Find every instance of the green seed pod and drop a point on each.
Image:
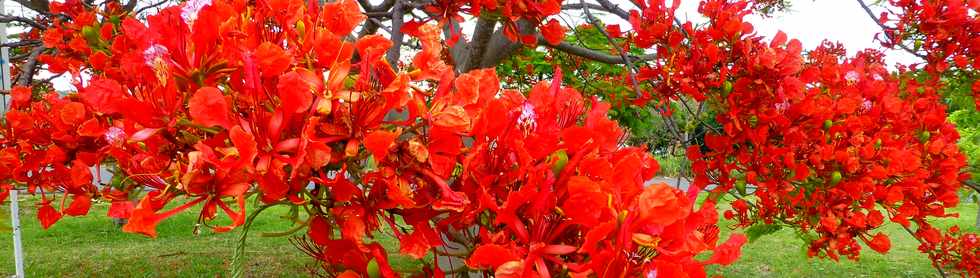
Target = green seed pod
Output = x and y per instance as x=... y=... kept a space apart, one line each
x=727 y=87
x=835 y=178
x=91 y=35
x=827 y=124
x=924 y=136
x=559 y=160
x=301 y=28
x=740 y=186
x=373 y=270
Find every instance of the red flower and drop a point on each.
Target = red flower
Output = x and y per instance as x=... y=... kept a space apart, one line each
x=144 y=218
x=880 y=243
x=553 y=32
x=661 y=204
x=490 y=256
x=378 y=142
x=80 y=205
x=728 y=252
x=272 y=59
x=208 y=107
x=319 y=231
x=47 y=215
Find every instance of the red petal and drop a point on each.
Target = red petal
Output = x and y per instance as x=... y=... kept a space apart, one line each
x=208 y=107
x=319 y=230
x=245 y=143
x=272 y=59
x=144 y=218
x=342 y=16
x=880 y=243
x=378 y=143
x=79 y=205
x=729 y=251
x=103 y=95
x=490 y=256
x=81 y=175
x=553 y=32
x=120 y=209
x=72 y=113
x=558 y=249
x=296 y=90
x=47 y=214
x=662 y=205
x=21 y=96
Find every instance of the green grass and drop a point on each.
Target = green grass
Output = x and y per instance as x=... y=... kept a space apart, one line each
x=93 y=246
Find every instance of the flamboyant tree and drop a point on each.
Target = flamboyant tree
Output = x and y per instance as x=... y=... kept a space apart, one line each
x=205 y=104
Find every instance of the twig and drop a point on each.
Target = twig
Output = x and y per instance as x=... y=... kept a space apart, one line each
x=154 y=5
x=579 y=6
x=21 y=43
x=886 y=28
x=379 y=24
x=697 y=115
x=614 y=9
x=10 y=18
x=622 y=54
x=593 y=54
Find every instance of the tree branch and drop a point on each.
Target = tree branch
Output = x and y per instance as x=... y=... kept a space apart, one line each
x=10 y=18
x=154 y=5
x=579 y=6
x=40 y=6
x=478 y=44
x=21 y=43
x=609 y=6
x=885 y=30
x=501 y=46
x=397 y=38
x=604 y=5
x=622 y=53
x=972 y=185
x=593 y=54
x=130 y=5
x=29 y=66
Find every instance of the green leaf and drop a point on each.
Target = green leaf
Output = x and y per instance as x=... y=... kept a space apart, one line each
x=759 y=230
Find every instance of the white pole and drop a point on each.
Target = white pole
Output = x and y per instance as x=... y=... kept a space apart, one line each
x=15 y=220
x=14 y=199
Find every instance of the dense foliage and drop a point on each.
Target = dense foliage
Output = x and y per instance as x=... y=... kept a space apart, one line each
x=206 y=104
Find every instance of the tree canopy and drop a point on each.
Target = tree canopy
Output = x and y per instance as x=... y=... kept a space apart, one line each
x=494 y=135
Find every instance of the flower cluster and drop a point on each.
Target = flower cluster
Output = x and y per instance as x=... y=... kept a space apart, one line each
x=944 y=33
x=825 y=144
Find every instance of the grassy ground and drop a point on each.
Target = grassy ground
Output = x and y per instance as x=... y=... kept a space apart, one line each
x=93 y=246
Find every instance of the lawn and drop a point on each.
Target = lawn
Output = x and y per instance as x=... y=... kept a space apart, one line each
x=94 y=246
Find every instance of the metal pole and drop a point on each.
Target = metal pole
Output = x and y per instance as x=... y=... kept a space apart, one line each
x=15 y=220
x=14 y=199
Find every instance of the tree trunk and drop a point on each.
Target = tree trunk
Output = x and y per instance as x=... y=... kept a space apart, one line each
x=977 y=224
